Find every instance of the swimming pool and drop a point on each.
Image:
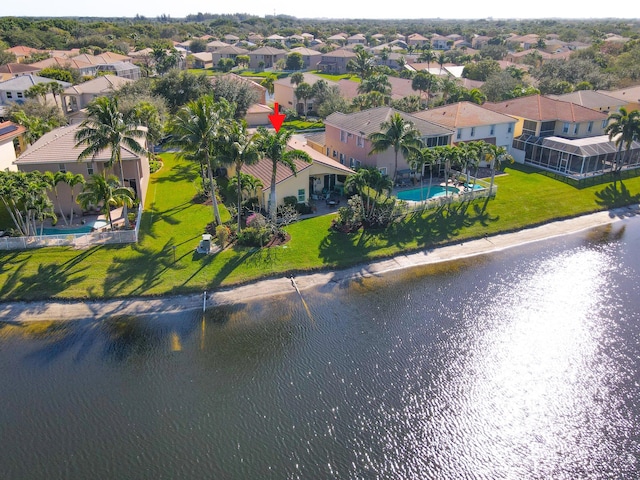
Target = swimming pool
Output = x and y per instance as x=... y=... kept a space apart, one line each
x=88 y=228
x=420 y=194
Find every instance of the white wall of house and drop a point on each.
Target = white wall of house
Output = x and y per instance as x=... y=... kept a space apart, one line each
x=7 y=156
x=502 y=132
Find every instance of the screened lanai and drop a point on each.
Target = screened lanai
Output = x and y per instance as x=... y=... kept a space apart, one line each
x=576 y=158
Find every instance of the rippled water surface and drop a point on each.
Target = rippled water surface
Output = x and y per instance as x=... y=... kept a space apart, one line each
x=521 y=364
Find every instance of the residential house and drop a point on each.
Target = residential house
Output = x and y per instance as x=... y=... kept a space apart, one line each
x=276 y=39
x=310 y=58
x=11 y=143
x=524 y=42
x=202 y=60
x=56 y=151
x=216 y=45
x=231 y=38
x=338 y=38
x=230 y=51
x=323 y=174
x=85 y=69
x=548 y=131
x=472 y=122
x=105 y=58
x=265 y=57
x=23 y=53
x=255 y=38
x=438 y=42
x=11 y=70
x=336 y=61
x=530 y=56
x=347 y=138
x=417 y=40
x=120 y=69
x=599 y=101
x=479 y=41
x=14 y=90
x=357 y=39
x=629 y=95
x=284 y=93
x=400 y=88
x=76 y=98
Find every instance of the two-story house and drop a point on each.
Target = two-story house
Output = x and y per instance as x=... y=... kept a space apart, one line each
x=310 y=58
x=11 y=143
x=346 y=138
x=76 y=98
x=14 y=90
x=265 y=57
x=336 y=62
x=230 y=51
x=472 y=122
x=560 y=136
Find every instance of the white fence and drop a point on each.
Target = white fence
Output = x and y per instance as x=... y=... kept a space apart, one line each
x=77 y=240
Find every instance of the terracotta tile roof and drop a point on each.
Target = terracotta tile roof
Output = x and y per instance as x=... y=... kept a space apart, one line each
x=232 y=49
x=268 y=51
x=541 y=108
x=61 y=62
x=59 y=146
x=340 y=53
x=368 y=121
x=463 y=114
x=18 y=68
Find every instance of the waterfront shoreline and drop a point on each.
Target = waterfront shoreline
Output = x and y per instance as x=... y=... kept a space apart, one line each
x=18 y=312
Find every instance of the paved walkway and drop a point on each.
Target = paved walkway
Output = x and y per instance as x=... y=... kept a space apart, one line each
x=58 y=310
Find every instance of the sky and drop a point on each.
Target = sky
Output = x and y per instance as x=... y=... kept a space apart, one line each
x=338 y=9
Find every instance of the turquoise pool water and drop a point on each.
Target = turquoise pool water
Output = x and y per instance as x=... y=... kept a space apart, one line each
x=88 y=228
x=424 y=193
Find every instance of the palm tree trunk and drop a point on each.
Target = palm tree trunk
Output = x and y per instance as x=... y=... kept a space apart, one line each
x=239 y=200
x=214 y=200
x=272 y=193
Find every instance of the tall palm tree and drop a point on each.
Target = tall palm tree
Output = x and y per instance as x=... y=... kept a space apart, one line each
x=399 y=134
x=239 y=149
x=56 y=89
x=363 y=65
x=106 y=128
x=375 y=83
x=368 y=179
x=106 y=191
x=194 y=130
x=496 y=155
x=273 y=145
x=624 y=126
x=424 y=157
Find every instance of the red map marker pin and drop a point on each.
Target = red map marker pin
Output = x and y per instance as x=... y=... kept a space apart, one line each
x=277 y=118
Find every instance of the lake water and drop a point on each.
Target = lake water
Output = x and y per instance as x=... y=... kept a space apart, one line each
x=522 y=364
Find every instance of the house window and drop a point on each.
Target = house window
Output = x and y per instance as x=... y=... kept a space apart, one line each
x=335 y=154
x=309 y=107
x=9 y=95
x=473 y=131
x=492 y=130
x=565 y=127
x=590 y=127
x=343 y=136
x=575 y=129
x=383 y=170
x=360 y=141
x=342 y=158
x=20 y=95
x=89 y=168
x=604 y=122
x=329 y=152
x=301 y=196
x=353 y=163
x=459 y=135
x=510 y=129
x=62 y=168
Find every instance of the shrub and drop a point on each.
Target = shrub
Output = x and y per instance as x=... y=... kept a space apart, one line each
x=155 y=165
x=222 y=235
x=291 y=200
x=253 y=237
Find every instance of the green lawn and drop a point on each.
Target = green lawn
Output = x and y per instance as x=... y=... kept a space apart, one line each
x=335 y=77
x=173 y=219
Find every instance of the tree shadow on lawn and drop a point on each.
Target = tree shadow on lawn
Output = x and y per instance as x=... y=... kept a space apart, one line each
x=180 y=172
x=227 y=267
x=611 y=197
x=151 y=219
x=134 y=276
x=418 y=231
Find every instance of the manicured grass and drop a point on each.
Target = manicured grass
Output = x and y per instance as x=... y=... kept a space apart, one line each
x=262 y=74
x=298 y=125
x=173 y=219
x=335 y=77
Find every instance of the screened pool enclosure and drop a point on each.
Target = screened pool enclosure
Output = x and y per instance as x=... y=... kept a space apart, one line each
x=576 y=158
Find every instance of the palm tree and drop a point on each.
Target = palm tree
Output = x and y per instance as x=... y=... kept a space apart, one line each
x=107 y=129
x=442 y=59
x=363 y=65
x=399 y=134
x=268 y=83
x=364 y=181
x=106 y=191
x=194 y=130
x=273 y=145
x=428 y=56
x=625 y=127
x=421 y=158
x=304 y=92
x=56 y=89
x=496 y=155
x=239 y=149
x=451 y=156
x=37 y=90
x=375 y=83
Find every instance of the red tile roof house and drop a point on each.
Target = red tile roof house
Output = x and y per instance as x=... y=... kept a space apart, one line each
x=56 y=151
x=561 y=136
x=324 y=173
x=472 y=122
x=346 y=138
